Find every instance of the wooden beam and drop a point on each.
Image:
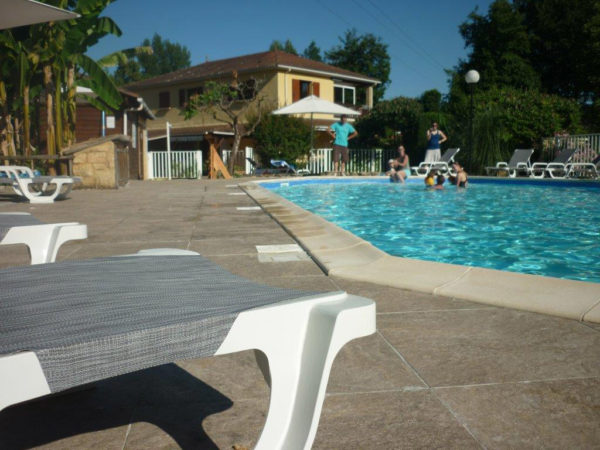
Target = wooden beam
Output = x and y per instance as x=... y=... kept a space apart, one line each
x=216 y=163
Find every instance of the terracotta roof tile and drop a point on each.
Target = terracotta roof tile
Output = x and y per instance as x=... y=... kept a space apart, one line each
x=246 y=63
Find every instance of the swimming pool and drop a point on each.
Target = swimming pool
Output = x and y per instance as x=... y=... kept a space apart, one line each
x=540 y=228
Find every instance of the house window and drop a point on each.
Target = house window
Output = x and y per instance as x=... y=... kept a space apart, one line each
x=164 y=99
x=338 y=94
x=304 y=89
x=194 y=91
x=248 y=89
x=182 y=98
x=344 y=94
x=301 y=89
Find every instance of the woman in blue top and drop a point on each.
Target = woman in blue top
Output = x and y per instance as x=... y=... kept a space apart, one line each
x=434 y=138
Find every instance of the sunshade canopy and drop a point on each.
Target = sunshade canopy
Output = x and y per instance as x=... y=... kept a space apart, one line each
x=16 y=13
x=315 y=105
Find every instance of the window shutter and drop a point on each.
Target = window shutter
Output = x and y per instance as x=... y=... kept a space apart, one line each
x=295 y=90
x=316 y=89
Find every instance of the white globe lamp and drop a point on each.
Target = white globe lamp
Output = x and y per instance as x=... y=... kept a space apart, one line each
x=472 y=77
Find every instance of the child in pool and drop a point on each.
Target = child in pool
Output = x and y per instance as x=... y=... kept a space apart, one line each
x=429 y=180
x=439 y=182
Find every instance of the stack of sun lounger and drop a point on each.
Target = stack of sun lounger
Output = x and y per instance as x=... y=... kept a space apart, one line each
x=585 y=169
x=35 y=188
x=557 y=168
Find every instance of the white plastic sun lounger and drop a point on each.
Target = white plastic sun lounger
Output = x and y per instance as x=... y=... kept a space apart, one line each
x=112 y=316
x=37 y=189
x=443 y=164
x=578 y=170
x=519 y=163
x=42 y=239
x=558 y=168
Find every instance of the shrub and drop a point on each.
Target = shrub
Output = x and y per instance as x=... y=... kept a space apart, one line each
x=282 y=137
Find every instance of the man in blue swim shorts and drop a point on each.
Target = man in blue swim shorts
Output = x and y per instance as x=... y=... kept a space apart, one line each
x=341 y=132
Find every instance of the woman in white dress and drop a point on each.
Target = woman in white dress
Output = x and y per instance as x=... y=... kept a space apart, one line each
x=434 y=138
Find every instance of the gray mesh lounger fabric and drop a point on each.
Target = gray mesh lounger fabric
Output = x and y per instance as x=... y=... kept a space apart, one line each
x=8 y=221
x=94 y=319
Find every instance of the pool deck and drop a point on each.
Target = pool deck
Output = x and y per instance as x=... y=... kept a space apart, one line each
x=441 y=372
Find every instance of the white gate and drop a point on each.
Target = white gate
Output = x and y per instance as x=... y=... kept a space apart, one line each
x=184 y=164
x=320 y=161
x=248 y=153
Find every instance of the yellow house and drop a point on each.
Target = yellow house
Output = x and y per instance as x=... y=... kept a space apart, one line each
x=284 y=77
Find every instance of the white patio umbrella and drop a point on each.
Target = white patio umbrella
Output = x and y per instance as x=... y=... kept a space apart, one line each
x=16 y=13
x=315 y=105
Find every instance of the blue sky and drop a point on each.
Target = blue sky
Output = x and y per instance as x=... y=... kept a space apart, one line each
x=423 y=37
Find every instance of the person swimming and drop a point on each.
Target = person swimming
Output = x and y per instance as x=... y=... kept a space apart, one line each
x=461 y=179
x=439 y=182
x=429 y=179
x=399 y=167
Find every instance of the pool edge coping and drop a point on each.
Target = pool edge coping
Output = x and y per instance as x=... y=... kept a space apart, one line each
x=342 y=254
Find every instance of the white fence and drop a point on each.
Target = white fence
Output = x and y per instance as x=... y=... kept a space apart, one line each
x=248 y=152
x=587 y=146
x=184 y=164
x=320 y=161
x=371 y=160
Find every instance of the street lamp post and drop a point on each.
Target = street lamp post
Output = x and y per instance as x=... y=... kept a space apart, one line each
x=472 y=77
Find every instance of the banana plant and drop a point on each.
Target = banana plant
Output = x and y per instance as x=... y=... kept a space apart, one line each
x=122 y=57
x=50 y=58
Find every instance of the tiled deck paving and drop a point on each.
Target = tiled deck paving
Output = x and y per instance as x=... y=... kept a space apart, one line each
x=440 y=373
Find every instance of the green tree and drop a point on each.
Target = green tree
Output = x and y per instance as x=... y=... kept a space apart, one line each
x=230 y=103
x=165 y=57
x=366 y=54
x=282 y=137
x=507 y=118
x=499 y=45
x=287 y=46
x=312 y=52
x=431 y=100
x=383 y=125
x=565 y=45
x=128 y=72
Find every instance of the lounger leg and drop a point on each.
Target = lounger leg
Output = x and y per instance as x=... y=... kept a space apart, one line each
x=64 y=192
x=21 y=379
x=43 y=241
x=65 y=233
x=300 y=347
x=35 y=197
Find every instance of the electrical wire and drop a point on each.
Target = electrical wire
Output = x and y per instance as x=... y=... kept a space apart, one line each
x=401 y=59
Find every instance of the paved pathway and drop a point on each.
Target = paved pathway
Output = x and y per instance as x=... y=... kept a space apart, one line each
x=440 y=373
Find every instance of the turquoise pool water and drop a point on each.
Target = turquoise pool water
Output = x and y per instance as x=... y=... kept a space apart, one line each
x=535 y=228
